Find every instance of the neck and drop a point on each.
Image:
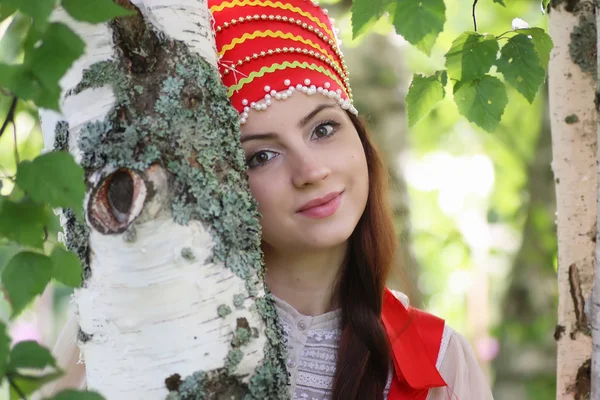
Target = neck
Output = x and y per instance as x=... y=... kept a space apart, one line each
x=305 y=280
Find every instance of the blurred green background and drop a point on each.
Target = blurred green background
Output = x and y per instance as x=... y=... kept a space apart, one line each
x=475 y=211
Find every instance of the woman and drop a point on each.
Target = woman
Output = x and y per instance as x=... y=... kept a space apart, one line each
x=328 y=236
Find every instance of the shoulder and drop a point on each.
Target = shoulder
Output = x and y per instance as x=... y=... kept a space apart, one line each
x=461 y=371
x=446 y=355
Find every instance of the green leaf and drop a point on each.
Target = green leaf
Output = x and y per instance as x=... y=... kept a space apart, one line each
x=501 y=2
x=52 y=59
x=7 y=251
x=471 y=56
x=29 y=354
x=25 y=277
x=10 y=77
x=21 y=81
x=67 y=267
x=424 y=93
x=520 y=65
x=95 y=11
x=11 y=44
x=420 y=22
x=53 y=178
x=363 y=11
x=29 y=384
x=481 y=101
x=39 y=10
x=22 y=222
x=542 y=42
x=6 y=10
x=4 y=348
x=75 y=395
x=51 y=221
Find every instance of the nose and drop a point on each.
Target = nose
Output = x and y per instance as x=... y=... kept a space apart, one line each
x=308 y=169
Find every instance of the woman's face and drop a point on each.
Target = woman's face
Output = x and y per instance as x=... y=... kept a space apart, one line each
x=307 y=170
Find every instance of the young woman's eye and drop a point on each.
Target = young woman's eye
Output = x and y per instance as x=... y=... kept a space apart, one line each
x=325 y=129
x=260 y=158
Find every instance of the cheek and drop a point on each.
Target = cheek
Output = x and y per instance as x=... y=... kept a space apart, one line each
x=257 y=188
x=361 y=173
x=266 y=192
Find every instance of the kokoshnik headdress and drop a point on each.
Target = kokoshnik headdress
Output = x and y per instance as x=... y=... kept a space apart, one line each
x=269 y=49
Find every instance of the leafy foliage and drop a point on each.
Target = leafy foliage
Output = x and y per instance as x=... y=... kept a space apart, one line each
x=22 y=222
x=520 y=65
x=26 y=277
x=39 y=10
x=420 y=22
x=4 y=348
x=54 y=178
x=28 y=384
x=424 y=93
x=469 y=61
x=30 y=354
x=541 y=41
x=66 y=267
x=75 y=395
x=481 y=100
x=364 y=12
x=94 y=11
x=471 y=56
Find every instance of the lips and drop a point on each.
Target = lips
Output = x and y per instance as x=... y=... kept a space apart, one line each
x=319 y=201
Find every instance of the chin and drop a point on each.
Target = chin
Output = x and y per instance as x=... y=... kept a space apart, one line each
x=327 y=235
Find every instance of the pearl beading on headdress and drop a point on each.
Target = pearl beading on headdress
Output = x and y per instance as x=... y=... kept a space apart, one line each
x=306 y=88
x=262 y=41
x=298 y=50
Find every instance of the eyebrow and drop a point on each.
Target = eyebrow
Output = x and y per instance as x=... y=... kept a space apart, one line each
x=313 y=113
x=303 y=122
x=258 y=136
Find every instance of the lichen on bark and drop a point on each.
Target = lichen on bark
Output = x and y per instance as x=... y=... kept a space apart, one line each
x=569 y=5
x=582 y=48
x=175 y=112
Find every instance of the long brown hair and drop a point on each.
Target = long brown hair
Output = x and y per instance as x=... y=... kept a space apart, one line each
x=363 y=359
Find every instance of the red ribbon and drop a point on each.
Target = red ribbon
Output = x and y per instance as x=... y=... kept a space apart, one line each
x=415 y=338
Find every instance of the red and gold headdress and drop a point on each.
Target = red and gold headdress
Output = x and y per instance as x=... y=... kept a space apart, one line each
x=269 y=49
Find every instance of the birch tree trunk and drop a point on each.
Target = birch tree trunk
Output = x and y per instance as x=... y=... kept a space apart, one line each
x=574 y=142
x=173 y=282
x=595 y=304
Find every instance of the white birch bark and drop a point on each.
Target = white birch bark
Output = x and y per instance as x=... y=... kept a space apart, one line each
x=595 y=303
x=574 y=145
x=156 y=303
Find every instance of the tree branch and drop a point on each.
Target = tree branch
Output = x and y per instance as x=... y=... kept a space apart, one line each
x=16 y=147
x=19 y=392
x=474 y=18
x=10 y=116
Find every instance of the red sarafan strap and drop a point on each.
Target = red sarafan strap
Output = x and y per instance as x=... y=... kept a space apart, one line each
x=415 y=339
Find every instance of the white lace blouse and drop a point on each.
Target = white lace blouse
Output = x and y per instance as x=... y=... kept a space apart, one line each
x=312 y=349
x=311 y=358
